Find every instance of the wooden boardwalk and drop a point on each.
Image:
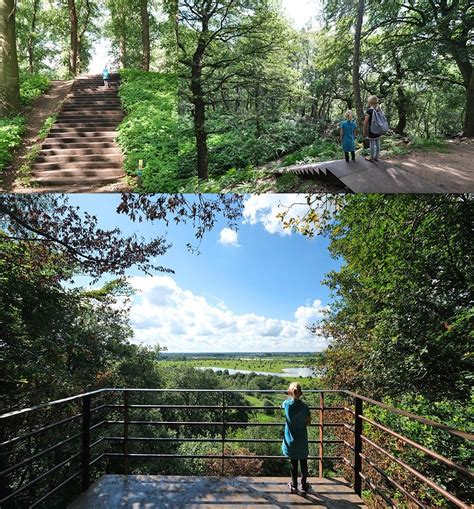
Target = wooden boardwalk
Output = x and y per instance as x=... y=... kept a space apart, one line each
x=151 y=492
x=361 y=176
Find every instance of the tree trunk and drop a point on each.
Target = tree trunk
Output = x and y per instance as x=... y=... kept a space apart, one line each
x=9 y=77
x=401 y=102
x=80 y=38
x=145 y=35
x=356 y=63
x=200 y=127
x=469 y=118
x=73 y=38
x=31 y=38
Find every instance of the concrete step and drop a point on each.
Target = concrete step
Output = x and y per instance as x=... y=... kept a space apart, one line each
x=82 y=158
x=97 y=125
x=93 y=144
x=69 y=178
x=88 y=121
x=85 y=129
x=67 y=152
x=105 y=135
x=65 y=173
x=90 y=165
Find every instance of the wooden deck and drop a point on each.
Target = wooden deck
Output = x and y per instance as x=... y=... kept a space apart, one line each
x=361 y=176
x=151 y=492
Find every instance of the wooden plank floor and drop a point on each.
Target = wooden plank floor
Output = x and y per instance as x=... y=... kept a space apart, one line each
x=362 y=176
x=150 y=492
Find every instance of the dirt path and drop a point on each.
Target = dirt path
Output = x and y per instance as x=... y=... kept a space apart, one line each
x=453 y=171
x=46 y=105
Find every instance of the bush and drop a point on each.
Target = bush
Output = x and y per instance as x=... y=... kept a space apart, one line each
x=11 y=130
x=149 y=131
x=32 y=86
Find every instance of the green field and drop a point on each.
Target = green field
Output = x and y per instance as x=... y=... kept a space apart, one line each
x=270 y=365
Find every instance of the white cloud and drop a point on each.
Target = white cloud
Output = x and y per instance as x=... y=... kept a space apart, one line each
x=164 y=313
x=229 y=237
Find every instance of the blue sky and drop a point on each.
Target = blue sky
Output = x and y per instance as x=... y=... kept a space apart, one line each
x=258 y=287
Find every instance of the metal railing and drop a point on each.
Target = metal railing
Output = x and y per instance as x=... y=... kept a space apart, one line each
x=80 y=455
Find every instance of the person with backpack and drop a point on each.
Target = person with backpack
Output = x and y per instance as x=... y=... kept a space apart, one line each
x=375 y=125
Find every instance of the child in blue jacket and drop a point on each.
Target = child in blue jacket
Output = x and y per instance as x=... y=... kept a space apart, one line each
x=348 y=133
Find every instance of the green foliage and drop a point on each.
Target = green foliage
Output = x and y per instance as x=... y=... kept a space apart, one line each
x=32 y=86
x=402 y=323
x=320 y=150
x=46 y=127
x=149 y=131
x=11 y=130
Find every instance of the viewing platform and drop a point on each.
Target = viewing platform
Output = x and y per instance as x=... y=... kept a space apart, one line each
x=148 y=491
x=152 y=448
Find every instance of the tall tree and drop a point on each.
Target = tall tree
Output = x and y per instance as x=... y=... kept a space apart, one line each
x=73 y=30
x=356 y=64
x=145 y=16
x=9 y=75
x=220 y=42
x=32 y=36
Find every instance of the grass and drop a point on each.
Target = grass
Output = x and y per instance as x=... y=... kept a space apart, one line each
x=264 y=365
x=149 y=131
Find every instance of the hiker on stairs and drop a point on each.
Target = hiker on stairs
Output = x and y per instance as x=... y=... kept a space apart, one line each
x=105 y=76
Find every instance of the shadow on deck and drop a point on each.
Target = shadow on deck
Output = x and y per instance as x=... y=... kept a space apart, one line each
x=150 y=492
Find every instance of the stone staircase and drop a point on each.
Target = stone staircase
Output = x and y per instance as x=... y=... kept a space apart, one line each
x=80 y=153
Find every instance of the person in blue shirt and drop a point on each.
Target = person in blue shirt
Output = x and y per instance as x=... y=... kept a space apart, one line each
x=348 y=133
x=105 y=76
x=295 y=441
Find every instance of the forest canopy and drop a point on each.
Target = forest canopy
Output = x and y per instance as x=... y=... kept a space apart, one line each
x=254 y=88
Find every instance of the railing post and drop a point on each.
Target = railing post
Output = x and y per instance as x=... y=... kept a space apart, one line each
x=321 y=435
x=125 y=432
x=223 y=435
x=86 y=443
x=358 y=446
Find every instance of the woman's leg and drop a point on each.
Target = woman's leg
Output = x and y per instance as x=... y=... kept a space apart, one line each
x=353 y=155
x=346 y=155
x=294 y=472
x=372 y=148
x=304 y=472
x=377 y=147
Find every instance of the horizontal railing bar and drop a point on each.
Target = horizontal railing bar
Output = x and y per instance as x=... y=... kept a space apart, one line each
x=347 y=462
x=100 y=407
x=211 y=456
x=423 y=420
x=97 y=442
x=98 y=425
x=95 y=460
x=39 y=455
x=40 y=430
x=215 y=407
x=417 y=474
x=210 y=440
x=377 y=490
x=391 y=481
x=347 y=444
x=16 y=413
x=56 y=488
x=40 y=477
x=217 y=423
x=421 y=448
x=104 y=390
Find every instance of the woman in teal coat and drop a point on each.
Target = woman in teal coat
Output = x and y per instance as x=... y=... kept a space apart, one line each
x=295 y=442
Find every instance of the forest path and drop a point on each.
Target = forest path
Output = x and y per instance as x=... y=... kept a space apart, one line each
x=35 y=115
x=419 y=172
x=80 y=153
x=362 y=176
x=451 y=171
